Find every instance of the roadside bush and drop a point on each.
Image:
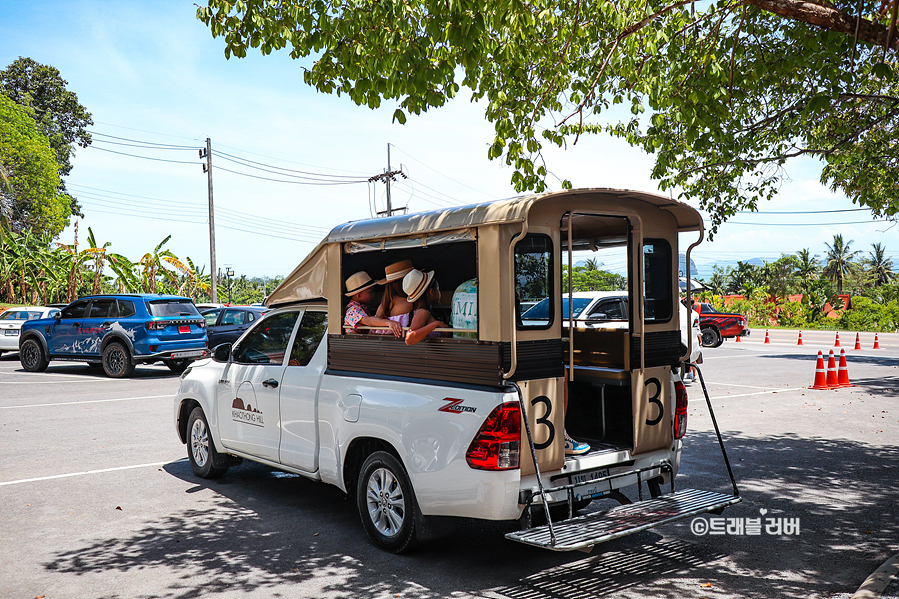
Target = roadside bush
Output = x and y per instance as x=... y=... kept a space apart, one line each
x=866 y=315
x=793 y=315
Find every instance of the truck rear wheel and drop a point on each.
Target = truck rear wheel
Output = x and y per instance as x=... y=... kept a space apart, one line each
x=387 y=503
x=117 y=361
x=200 y=448
x=711 y=337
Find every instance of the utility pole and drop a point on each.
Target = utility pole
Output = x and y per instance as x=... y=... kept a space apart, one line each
x=207 y=168
x=230 y=274
x=388 y=176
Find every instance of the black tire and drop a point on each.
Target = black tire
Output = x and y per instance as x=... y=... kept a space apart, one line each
x=711 y=337
x=200 y=448
x=178 y=366
x=117 y=361
x=31 y=356
x=387 y=503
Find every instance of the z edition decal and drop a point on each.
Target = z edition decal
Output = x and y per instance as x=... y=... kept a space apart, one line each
x=246 y=414
x=455 y=406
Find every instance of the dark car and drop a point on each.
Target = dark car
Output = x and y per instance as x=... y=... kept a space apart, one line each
x=225 y=325
x=117 y=332
x=717 y=326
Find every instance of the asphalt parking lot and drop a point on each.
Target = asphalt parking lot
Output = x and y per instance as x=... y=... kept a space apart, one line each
x=98 y=499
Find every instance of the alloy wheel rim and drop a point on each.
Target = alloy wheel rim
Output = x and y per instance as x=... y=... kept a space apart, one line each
x=199 y=443
x=385 y=502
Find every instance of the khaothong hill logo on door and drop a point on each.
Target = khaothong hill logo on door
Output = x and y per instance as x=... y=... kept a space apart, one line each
x=246 y=414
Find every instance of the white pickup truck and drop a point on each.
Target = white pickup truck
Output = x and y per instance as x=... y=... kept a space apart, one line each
x=470 y=424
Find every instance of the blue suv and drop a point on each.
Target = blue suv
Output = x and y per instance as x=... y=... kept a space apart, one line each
x=117 y=331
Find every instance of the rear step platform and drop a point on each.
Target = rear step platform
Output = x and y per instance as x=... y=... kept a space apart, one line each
x=585 y=531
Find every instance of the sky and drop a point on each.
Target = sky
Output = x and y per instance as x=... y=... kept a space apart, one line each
x=158 y=85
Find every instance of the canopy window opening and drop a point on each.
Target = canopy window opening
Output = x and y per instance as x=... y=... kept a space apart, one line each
x=454 y=264
x=534 y=291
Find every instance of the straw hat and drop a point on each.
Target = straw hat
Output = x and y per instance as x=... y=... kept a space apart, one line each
x=416 y=283
x=396 y=271
x=358 y=282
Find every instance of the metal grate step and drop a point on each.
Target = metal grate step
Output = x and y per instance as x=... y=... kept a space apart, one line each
x=586 y=531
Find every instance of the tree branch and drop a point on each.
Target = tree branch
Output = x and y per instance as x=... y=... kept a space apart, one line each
x=830 y=18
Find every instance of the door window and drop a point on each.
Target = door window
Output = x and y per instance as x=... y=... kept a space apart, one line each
x=75 y=310
x=103 y=308
x=211 y=317
x=608 y=310
x=309 y=335
x=232 y=317
x=267 y=343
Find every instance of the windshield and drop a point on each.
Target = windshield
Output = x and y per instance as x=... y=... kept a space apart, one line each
x=20 y=315
x=541 y=310
x=172 y=308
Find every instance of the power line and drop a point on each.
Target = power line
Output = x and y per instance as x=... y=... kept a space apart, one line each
x=144 y=157
x=151 y=143
x=439 y=173
x=103 y=194
x=221 y=168
x=241 y=160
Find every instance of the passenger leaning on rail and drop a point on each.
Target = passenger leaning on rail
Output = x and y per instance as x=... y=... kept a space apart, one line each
x=359 y=290
x=394 y=305
x=421 y=289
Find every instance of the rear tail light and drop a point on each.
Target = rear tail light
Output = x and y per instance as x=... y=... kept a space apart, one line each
x=156 y=325
x=680 y=410
x=496 y=446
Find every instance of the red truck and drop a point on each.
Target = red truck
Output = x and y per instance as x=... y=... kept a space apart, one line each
x=717 y=326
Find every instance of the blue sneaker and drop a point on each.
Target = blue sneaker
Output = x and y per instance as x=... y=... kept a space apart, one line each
x=573 y=447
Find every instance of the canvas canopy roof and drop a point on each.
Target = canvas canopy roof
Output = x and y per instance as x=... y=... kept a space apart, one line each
x=308 y=280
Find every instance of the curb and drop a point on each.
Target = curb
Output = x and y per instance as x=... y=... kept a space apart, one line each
x=879 y=580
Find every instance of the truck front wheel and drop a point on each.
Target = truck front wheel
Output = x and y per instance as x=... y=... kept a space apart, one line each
x=200 y=448
x=31 y=355
x=387 y=503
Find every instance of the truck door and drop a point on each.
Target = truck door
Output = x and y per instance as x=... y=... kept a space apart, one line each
x=299 y=413
x=249 y=395
x=67 y=333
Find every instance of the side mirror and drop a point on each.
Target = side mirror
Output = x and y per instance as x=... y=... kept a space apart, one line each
x=57 y=315
x=222 y=353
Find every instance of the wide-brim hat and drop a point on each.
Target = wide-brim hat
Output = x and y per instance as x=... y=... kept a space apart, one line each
x=396 y=271
x=416 y=283
x=357 y=282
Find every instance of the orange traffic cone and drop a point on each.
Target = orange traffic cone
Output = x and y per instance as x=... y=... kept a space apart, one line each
x=766 y=336
x=843 y=373
x=832 y=380
x=800 y=339
x=876 y=342
x=737 y=339
x=837 y=342
x=820 y=376
x=858 y=344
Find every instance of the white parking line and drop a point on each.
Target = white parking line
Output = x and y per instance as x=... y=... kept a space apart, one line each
x=56 y=374
x=31 y=480
x=69 y=403
x=736 y=385
x=757 y=393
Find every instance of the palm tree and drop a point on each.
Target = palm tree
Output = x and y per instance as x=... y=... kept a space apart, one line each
x=838 y=263
x=807 y=265
x=880 y=268
x=592 y=264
